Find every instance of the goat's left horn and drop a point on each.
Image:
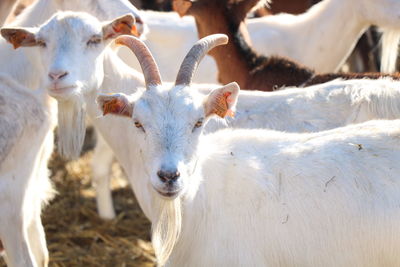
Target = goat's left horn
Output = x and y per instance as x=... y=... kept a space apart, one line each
x=196 y=54
x=147 y=63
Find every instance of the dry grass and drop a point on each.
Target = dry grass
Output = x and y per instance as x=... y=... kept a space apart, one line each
x=76 y=236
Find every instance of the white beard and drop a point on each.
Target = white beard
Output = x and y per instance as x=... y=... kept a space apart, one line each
x=71 y=126
x=166 y=228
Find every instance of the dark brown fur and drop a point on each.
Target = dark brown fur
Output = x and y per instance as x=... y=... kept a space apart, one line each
x=322 y=78
x=237 y=61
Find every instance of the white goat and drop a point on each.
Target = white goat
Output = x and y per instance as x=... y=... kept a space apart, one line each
x=21 y=62
x=75 y=62
x=256 y=110
x=256 y=197
x=26 y=143
x=312 y=38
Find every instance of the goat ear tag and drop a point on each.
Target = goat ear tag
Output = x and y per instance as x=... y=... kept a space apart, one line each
x=115 y=106
x=181 y=6
x=124 y=28
x=219 y=106
x=19 y=37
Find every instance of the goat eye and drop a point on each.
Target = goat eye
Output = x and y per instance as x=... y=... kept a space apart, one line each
x=41 y=43
x=198 y=124
x=95 y=40
x=139 y=125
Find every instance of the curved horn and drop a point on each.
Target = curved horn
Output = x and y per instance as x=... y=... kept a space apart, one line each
x=147 y=63
x=196 y=54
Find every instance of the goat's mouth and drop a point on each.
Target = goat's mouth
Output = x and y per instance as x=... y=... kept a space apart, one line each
x=61 y=91
x=168 y=194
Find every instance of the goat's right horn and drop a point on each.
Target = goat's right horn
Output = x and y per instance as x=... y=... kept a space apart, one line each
x=196 y=54
x=147 y=63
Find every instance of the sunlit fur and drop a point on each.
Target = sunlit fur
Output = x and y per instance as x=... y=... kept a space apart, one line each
x=166 y=228
x=71 y=127
x=315 y=108
x=390 y=45
x=312 y=38
x=26 y=144
x=267 y=198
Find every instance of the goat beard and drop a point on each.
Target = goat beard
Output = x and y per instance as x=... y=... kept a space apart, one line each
x=71 y=127
x=166 y=228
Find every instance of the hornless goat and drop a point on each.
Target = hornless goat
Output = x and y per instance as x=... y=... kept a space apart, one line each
x=237 y=61
x=256 y=197
x=72 y=52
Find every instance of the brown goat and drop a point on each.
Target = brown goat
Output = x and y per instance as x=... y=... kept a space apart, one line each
x=237 y=61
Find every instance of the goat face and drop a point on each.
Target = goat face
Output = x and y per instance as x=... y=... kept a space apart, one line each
x=170 y=123
x=71 y=47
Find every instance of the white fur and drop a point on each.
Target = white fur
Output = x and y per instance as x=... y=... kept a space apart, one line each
x=390 y=45
x=313 y=38
x=26 y=144
x=266 y=198
x=315 y=108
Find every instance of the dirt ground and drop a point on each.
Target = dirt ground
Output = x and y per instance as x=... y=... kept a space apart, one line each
x=76 y=236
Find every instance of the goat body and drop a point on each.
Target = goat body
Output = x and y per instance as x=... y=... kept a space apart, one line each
x=254 y=197
x=26 y=143
x=275 y=199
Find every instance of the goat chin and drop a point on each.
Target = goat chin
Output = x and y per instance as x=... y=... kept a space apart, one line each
x=166 y=228
x=71 y=126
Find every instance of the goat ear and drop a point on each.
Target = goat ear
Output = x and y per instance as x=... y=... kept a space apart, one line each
x=181 y=6
x=116 y=104
x=121 y=25
x=19 y=36
x=222 y=101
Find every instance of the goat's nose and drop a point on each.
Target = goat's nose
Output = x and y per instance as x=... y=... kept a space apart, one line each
x=57 y=75
x=168 y=176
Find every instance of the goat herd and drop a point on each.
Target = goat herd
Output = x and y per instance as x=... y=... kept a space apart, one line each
x=302 y=176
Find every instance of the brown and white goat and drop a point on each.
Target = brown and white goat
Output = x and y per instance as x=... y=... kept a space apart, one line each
x=237 y=61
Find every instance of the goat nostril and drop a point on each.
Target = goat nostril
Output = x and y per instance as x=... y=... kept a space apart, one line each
x=168 y=176
x=63 y=75
x=162 y=176
x=57 y=75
